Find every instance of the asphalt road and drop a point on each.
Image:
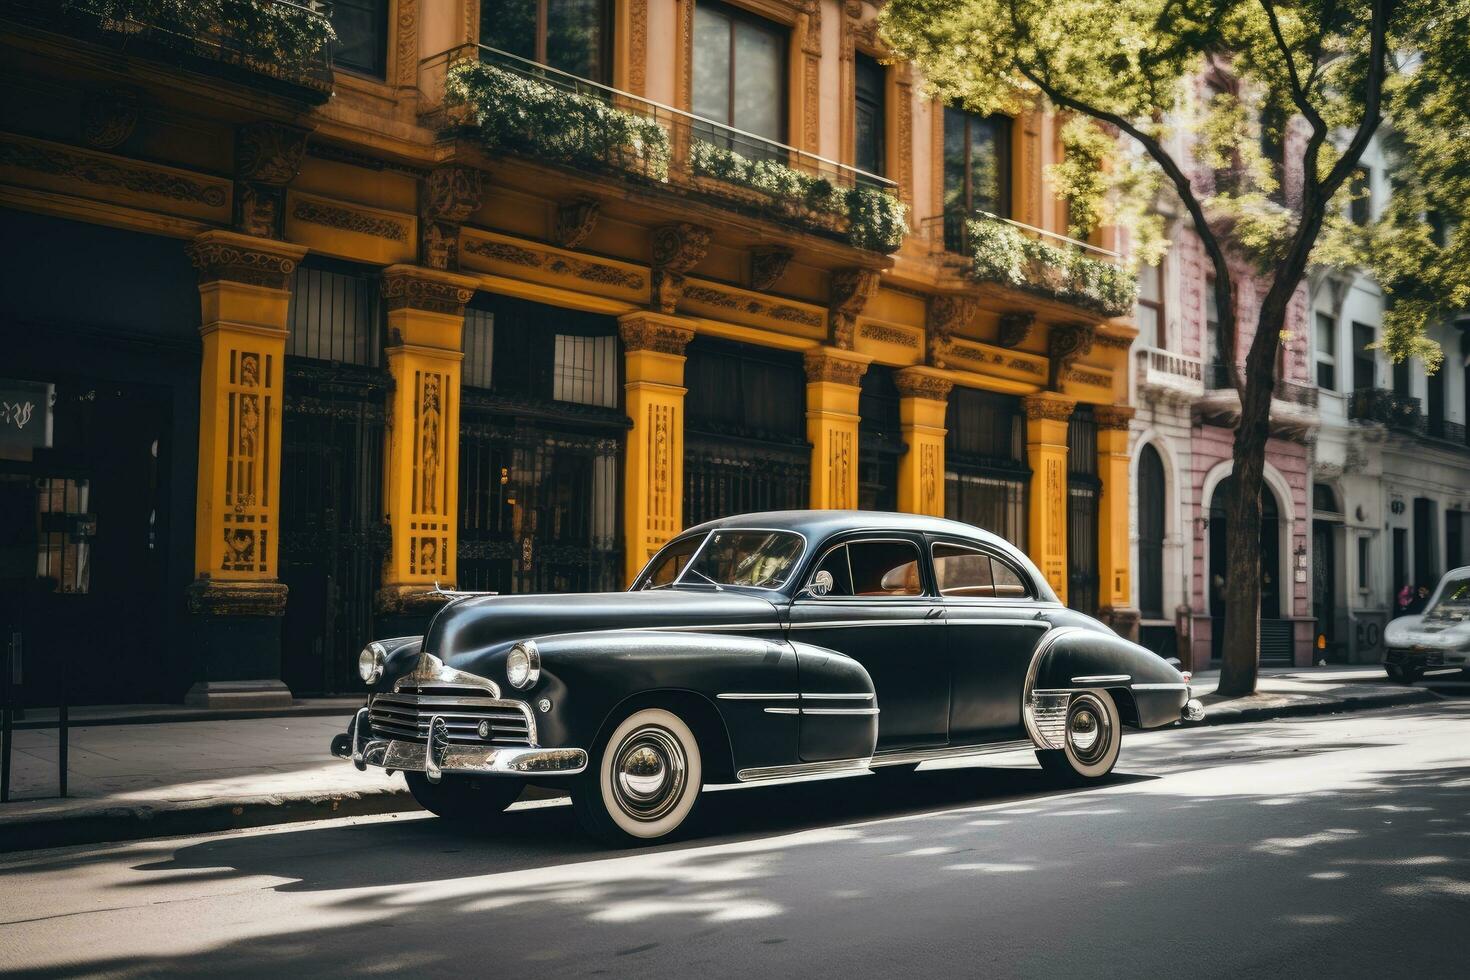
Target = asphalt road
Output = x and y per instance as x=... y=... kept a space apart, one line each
x=1321 y=846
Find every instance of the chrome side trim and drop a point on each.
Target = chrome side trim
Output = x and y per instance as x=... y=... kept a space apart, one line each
x=846 y=623
x=910 y=756
x=803 y=769
x=1093 y=679
x=839 y=711
x=957 y=621
x=783 y=711
x=757 y=697
x=1180 y=686
x=359 y=722
x=837 y=697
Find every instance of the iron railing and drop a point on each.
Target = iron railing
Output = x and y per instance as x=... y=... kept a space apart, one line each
x=1398 y=412
x=1305 y=394
x=950 y=232
x=286 y=43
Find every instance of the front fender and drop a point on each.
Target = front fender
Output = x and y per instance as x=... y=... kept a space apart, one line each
x=1146 y=688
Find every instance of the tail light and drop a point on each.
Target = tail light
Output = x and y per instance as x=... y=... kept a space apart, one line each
x=1187 y=675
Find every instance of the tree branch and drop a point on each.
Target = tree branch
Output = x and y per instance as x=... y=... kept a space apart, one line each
x=1299 y=93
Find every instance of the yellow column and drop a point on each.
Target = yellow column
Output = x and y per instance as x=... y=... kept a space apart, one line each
x=1115 y=597
x=833 y=377
x=923 y=399
x=653 y=475
x=421 y=462
x=1047 y=414
x=236 y=601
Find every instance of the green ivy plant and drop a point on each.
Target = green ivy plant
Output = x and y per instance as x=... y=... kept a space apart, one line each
x=282 y=35
x=535 y=118
x=876 y=220
x=1001 y=253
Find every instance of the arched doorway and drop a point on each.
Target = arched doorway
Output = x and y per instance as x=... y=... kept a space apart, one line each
x=1276 y=642
x=1151 y=504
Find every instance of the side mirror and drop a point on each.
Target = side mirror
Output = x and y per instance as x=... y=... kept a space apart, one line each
x=820 y=585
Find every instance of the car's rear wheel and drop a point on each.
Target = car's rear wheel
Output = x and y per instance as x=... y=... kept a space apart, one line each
x=645 y=781
x=1090 y=741
x=465 y=799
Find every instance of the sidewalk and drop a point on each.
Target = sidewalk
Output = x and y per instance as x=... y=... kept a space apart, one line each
x=135 y=778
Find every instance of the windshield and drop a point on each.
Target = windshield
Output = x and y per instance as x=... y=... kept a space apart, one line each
x=1454 y=601
x=758 y=559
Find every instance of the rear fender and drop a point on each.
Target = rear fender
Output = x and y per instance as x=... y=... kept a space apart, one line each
x=1148 y=691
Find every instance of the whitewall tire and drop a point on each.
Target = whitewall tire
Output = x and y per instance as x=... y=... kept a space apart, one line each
x=645 y=782
x=1091 y=739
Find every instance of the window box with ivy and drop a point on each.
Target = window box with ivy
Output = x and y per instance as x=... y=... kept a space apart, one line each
x=1002 y=253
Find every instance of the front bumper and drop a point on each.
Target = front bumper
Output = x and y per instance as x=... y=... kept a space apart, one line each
x=478 y=760
x=1427 y=657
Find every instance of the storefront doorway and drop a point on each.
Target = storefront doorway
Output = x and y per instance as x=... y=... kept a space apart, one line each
x=1276 y=633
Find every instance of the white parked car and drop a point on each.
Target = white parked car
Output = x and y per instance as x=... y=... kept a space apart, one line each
x=1438 y=638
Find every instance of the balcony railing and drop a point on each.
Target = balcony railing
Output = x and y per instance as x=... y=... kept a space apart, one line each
x=1166 y=371
x=1217 y=377
x=1402 y=413
x=1035 y=260
x=249 y=40
x=521 y=107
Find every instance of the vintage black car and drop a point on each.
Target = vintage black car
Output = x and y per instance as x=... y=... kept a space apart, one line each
x=759 y=647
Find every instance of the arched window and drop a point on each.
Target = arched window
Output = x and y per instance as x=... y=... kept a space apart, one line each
x=1151 y=503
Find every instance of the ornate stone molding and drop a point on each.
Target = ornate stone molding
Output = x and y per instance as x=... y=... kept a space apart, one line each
x=888 y=335
x=1113 y=341
x=1015 y=328
x=413 y=288
x=1113 y=416
x=1048 y=406
x=575 y=220
x=223 y=256
x=745 y=303
x=447 y=198
x=677 y=248
x=916 y=383
x=267 y=158
x=767 y=266
x=651 y=332
x=1066 y=343
x=826 y=364
x=637 y=46
x=851 y=289
x=406 y=52
x=106 y=170
x=587 y=270
x=948 y=313
x=207 y=597
x=109 y=116
x=348 y=219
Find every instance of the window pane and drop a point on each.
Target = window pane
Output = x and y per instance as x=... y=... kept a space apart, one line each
x=962 y=572
x=1147 y=318
x=954 y=160
x=509 y=25
x=869 y=115
x=985 y=163
x=885 y=568
x=759 y=64
x=1364 y=372
x=711 y=65
x=585 y=370
x=1008 y=582
x=574 y=37
x=672 y=561
x=1149 y=278
x=479 y=347
x=836 y=564
x=1326 y=335
x=361 y=27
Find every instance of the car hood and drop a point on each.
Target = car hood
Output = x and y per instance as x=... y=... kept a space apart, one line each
x=483 y=622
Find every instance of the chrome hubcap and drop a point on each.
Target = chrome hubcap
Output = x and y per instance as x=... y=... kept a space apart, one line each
x=1088 y=730
x=649 y=773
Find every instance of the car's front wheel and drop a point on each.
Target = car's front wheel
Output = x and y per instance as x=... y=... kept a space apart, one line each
x=1090 y=741
x=645 y=781
x=464 y=799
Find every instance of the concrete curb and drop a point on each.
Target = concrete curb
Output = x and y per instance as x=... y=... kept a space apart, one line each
x=109 y=823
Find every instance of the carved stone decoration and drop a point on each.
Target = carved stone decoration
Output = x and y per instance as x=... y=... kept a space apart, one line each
x=1015 y=328
x=348 y=219
x=448 y=197
x=109 y=116
x=258 y=209
x=1113 y=416
x=1064 y=346
x=948 y=313
x=404 y=290
x=1112 y=341
x=648 y=333
x=917 y=384
x=851 y=291
x=822 y=365
x=677 y=248
x=267 y=158
x=575 y=220
x=1053 y=409
x=220 y=261
x=767 y=266
x=100 y=169
x=637 y=46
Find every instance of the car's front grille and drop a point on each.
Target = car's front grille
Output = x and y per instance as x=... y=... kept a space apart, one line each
x=406 y=716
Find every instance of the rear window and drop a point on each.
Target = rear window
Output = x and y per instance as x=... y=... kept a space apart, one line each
x=968 y=573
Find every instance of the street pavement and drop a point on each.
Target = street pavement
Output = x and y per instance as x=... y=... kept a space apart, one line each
x=1332 y=845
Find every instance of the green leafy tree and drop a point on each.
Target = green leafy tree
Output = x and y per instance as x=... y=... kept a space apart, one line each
x=1309 y=84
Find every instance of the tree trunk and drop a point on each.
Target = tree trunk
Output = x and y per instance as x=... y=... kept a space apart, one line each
x=1241 y=654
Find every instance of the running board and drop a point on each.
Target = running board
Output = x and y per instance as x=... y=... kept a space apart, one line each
x=909 y=757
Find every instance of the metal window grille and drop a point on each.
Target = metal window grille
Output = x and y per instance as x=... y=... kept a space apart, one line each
x=336 y=314
x=479 y=347
x=880 y=440
x=1083 y=490
x=987 y=481
x=586 y=370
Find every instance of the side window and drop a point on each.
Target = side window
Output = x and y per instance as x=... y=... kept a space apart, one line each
x=884 y=568
x=962 y=572
x=836 y=563
x=1008 y=581
x=671 y=562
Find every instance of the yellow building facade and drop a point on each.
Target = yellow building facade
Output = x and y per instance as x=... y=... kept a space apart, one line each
x=474 y=317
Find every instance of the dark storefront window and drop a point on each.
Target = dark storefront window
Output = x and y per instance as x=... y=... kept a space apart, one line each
x=880 y=440
x=869 y=123
x=1152 y=503
x=986 y=477
x=336 y=314
x=570 y=35
x=1083 y=489
x=362 y=35
x=739 y=76
x=977 y=170
x=745 y=445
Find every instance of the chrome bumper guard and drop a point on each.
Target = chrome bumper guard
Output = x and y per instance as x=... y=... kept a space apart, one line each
x=486 y=760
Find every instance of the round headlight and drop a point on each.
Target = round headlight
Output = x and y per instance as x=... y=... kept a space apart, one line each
x=370 y=662
x=523 y=665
